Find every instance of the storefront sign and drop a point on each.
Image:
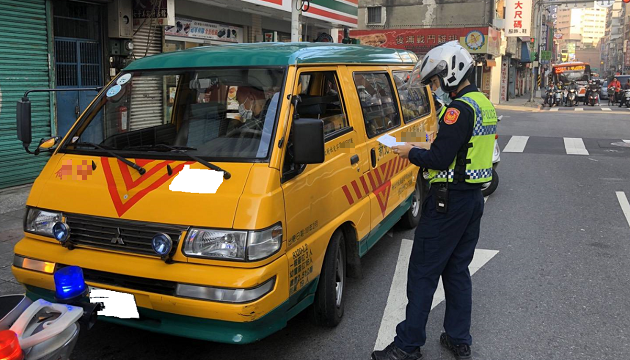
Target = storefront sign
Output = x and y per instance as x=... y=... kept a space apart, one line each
x=341 y=12
x=518 y=17
x=505 y=61
x=420 y=41
x=204 y=30
x=161 y=11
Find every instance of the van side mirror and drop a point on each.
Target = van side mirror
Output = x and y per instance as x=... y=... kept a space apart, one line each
x=308 y=141
x=23 y=118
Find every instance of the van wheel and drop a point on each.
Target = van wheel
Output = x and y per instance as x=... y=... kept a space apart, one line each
x=412 y=217
x=327 y=309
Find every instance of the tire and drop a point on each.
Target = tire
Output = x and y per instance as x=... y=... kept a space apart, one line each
x=492 y=185
x=412 y=216
x=328 y=306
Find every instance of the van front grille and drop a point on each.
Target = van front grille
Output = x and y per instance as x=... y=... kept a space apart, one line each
x=156 y=286
x=118 y=235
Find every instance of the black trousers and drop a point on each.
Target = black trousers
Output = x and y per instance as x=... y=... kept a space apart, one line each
x=444 y=245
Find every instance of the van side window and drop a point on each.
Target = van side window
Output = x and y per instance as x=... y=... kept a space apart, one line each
x=321 y=99
x=380 y=110
x=414 y=102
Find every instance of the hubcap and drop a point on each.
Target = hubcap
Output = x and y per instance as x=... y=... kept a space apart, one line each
x=415 y=202
x=340 y=278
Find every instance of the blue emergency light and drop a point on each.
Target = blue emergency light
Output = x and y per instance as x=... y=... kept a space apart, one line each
x=69 y=283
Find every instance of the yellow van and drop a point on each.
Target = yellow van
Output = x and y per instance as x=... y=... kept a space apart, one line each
x=229 y=187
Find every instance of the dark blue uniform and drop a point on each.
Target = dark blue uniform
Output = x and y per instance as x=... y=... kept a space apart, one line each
x=444 y=243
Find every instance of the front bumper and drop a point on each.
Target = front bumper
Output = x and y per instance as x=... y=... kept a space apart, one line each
x=167 y=313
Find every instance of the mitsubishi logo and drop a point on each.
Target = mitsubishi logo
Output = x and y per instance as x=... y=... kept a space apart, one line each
x=118 y=239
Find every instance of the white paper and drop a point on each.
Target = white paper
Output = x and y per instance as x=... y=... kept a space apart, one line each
x=117 y=304
x=389 y=141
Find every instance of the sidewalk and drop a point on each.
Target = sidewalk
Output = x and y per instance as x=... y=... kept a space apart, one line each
x=521 y=103
x=11 y=216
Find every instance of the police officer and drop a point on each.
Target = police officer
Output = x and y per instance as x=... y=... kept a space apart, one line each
x=458 y=162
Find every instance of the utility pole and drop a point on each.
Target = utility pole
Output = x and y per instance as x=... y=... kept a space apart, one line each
x=296 y=11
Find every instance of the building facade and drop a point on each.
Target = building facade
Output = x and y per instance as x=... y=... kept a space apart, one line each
x=84 y=44
x=420 y=26
x=612 y=42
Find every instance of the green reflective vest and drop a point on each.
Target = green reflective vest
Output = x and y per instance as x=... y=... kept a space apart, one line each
x=477 y=166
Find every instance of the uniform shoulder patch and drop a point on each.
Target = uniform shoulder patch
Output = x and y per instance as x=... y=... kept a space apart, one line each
x=451 y=116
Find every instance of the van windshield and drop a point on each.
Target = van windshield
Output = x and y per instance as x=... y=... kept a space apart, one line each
x=221 y=114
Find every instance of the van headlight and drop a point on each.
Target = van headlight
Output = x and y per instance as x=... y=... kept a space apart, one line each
x=233 y=245
x=41 y=222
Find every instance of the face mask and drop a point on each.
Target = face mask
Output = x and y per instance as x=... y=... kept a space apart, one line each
x=443 y=96
x=246 y=114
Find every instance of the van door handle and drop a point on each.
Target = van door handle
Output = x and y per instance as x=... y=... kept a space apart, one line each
x=373 y=153
x=354 y=159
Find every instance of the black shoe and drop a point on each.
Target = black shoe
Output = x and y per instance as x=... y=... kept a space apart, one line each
x=392 y=352
x=461 y=351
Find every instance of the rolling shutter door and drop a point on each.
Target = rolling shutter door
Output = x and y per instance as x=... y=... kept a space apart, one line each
x=147 y=105
x=23 y=66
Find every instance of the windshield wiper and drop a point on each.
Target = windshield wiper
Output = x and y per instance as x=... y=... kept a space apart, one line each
x=182 y=150
x=132 y=164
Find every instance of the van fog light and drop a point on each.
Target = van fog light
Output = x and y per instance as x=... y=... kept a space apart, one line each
x=162 y=244
x=61 y=232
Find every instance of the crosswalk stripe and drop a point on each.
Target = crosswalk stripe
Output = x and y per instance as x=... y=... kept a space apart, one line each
x=554 y=109
x=575 y=146
x=625 y=207
x=579 y=109
x=516 y=144
x=606 y=109
x=626 y=141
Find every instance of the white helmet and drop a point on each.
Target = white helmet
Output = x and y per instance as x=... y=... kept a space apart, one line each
x=449 y=61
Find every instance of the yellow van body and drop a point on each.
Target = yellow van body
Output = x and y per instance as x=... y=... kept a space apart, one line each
x=360 y=191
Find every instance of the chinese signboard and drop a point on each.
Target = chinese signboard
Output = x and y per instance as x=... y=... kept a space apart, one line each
x=204 y=30
x=161 y=11
x=482 y=40
x=518 y=17
x=505 y=62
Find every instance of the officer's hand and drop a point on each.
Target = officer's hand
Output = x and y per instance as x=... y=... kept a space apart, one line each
x=402 y=150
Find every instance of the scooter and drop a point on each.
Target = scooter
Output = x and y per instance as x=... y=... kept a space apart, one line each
x=571 y=97
x=558 y=97
x=549 y=97
x=593 y=98
x=41 y=330
x=625 y=98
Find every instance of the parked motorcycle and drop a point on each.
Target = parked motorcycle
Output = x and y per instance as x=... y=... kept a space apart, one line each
x=41 y=330
x=572 y=97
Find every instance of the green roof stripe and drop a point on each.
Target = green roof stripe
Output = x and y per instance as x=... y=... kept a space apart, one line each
x=273 y=54
x=338 y=6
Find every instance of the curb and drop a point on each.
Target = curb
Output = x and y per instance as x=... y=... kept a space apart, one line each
x=519 y=108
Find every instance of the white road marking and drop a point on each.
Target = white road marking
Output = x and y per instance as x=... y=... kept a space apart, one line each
x=397 y=300
x=625 y=206
x=554 y=109
x=516 y=144
x=485 y=198
x=606 y=109
x=626 y=141
x=579 y=109
x=575 y=146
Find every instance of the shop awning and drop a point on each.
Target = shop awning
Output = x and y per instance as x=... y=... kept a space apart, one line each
x=525 y=58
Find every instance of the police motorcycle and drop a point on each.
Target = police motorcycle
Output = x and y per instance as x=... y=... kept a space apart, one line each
x=489 y=187
x=41 y=330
